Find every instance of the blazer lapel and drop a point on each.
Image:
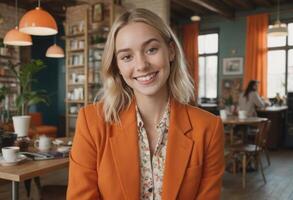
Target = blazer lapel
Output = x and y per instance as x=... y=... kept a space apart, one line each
x=179 y=148
x=124 y=146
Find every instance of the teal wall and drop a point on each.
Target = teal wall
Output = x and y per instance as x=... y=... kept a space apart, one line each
x=232 y=34
x=51 y=79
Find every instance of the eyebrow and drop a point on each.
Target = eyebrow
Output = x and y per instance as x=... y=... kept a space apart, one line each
x=143 y=44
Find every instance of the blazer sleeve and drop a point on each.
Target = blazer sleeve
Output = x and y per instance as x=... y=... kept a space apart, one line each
x=213 y=166
x=83 y=176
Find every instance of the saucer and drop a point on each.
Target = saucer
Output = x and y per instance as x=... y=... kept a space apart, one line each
x=6 y=163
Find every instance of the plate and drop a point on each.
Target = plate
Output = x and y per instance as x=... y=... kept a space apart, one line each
x=6 y=163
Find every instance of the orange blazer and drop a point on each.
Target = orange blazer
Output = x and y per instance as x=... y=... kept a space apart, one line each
x=104 y=160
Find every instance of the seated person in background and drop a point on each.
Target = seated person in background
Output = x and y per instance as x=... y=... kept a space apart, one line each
x=250 y=99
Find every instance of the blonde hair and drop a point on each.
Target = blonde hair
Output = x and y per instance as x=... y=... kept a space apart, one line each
x=115 y=94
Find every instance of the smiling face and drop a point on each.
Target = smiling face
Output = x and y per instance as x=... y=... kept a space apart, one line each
x=143 y=58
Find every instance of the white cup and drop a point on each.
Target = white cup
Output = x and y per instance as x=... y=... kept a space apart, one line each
x=242 y=114
x=223 y=114
x=21 y=125
x=10 y=153
x=44 y=143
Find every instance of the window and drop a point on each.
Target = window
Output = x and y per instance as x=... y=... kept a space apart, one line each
x=208 y=65
x=280 y=64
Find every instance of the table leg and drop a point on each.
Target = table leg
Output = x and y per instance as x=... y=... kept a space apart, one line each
x=232 y=135
x=15 y=190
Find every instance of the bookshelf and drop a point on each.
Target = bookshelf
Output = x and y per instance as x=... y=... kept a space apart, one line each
x=85 y=39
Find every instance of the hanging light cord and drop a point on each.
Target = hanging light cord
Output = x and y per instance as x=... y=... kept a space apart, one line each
x=39 y=3
x=16 y=12
x=278 y=10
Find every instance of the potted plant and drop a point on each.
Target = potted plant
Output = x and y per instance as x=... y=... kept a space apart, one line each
x=24 y=75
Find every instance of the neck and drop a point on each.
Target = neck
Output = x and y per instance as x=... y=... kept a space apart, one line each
x=151 y=108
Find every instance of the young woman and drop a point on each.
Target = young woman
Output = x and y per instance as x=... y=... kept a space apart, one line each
x=143 y=140
x=250 y=99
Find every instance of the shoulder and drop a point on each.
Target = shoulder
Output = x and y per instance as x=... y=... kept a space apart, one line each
x=205 y=126
x=253 y=94
x=93 y=113
x=200 y=117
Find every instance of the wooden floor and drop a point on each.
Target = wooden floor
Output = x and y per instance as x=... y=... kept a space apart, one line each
x=279 y=182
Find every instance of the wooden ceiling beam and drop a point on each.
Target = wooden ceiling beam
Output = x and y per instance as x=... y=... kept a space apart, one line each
x=189 y=6
x=245 y=4
x=265 y=3
x=217 y=8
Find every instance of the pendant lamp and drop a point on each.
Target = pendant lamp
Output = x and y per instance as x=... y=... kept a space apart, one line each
x=38 y=22
x=55 y=51
x=278 y=28
x=16 y=38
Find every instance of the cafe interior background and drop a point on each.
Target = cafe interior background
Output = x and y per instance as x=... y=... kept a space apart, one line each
x=227 y=43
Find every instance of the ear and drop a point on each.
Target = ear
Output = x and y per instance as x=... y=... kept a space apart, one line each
x=172 y=51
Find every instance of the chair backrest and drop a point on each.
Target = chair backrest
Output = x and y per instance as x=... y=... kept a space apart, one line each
x=36 y=118
x=262 y=135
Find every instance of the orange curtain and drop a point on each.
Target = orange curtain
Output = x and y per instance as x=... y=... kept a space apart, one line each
x=256 y=51
x=190 y=46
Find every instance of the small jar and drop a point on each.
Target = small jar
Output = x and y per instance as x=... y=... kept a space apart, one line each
x=23 y=143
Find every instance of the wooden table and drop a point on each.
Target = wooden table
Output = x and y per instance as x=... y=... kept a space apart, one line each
x=29 y=169
x=234 y=120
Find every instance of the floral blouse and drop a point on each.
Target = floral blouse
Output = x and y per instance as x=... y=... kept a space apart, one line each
x=152 y=169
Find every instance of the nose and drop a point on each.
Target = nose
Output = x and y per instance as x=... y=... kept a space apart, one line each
x=141 y=62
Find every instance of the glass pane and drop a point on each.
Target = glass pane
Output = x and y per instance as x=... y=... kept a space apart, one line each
x=211 y=43
x=290 y=70
x=211 y=76
x=290 y=34
x=208 y=74
x=274 y=41
x=276 y=73
x=208 y=43
x=201 y=44
x=201 y=74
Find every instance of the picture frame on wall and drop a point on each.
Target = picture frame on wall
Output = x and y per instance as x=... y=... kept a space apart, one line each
x=97 y=12
x=233 y=66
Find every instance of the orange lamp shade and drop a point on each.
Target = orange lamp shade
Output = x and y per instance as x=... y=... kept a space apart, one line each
x=55 y=51
x=38 y=22
x=16 y=38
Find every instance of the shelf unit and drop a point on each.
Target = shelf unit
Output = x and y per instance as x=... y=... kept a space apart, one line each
x=7 y=80
x=84 y=48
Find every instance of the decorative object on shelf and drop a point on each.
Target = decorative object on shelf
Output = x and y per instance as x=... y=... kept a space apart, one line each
x=55 y=51
x=38 y=22
x=15 y=37
x=97 y=12
x=233 y=66
x=278 y=28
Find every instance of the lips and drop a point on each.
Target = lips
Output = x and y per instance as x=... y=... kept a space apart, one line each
x=145 y=79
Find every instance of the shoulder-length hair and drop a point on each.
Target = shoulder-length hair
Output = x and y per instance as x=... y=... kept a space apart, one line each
x=250 y=88
x=115 y=94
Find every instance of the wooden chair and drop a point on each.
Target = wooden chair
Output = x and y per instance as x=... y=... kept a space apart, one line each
x=250 y=153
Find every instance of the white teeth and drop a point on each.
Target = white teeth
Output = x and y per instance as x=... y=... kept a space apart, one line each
x=146 y=78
